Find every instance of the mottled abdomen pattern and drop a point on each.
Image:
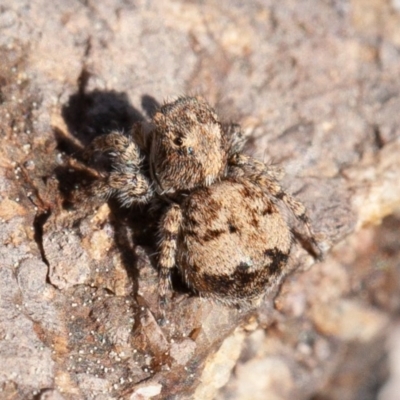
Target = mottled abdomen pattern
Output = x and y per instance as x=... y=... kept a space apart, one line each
x=234 y=241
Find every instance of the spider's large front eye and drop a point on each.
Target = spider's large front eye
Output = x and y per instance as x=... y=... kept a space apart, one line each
x=178 y=141
x=190 y=150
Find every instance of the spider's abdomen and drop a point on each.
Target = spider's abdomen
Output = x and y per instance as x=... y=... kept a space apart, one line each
x=234 y=241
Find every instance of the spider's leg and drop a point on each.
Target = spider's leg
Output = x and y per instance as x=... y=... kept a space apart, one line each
x=115 y=145
x=169 y=230
x=249 y=166
x=128 y=185
x=126 y=181
x=233 y=138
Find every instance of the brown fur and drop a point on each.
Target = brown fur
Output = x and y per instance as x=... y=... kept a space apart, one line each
x=222 y=228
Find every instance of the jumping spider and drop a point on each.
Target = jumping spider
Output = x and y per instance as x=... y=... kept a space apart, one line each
x=222 y=226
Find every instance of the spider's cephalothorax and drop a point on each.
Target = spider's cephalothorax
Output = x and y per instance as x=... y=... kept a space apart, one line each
x=188 y=146
x=222 y=227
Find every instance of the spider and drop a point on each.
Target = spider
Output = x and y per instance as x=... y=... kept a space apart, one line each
x=222 y=226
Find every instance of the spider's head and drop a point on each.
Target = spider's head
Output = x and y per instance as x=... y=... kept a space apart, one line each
x=188 y=148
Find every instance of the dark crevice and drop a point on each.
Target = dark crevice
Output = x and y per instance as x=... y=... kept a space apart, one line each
x=379 y=141
x=88 y=47
x=34 y=189
x=38 y=223
x=42 y=393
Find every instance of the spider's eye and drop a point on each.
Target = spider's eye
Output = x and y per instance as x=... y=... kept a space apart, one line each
x=190 y=150
x=178 y=141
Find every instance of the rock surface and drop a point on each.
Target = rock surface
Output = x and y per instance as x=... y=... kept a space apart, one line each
x=315 y=86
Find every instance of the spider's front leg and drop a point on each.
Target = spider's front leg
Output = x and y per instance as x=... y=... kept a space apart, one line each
x=126 y=180
x=243 y=165
x=169 y=231
x=234 y=140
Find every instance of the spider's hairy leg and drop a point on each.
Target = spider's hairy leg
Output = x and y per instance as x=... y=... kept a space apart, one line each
x=126 y=181
x=169 y=230
x=234 y=139
x=251 y=167
x=115 y=145
x=129 y=186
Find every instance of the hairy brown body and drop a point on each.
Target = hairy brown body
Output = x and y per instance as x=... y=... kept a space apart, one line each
x=222 y=227
x=233 y=241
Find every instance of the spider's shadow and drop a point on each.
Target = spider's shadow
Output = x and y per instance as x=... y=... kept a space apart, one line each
x=95 y=113
x=91 y=114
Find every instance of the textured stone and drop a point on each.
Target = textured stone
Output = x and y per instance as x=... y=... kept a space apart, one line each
x=315 y=86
